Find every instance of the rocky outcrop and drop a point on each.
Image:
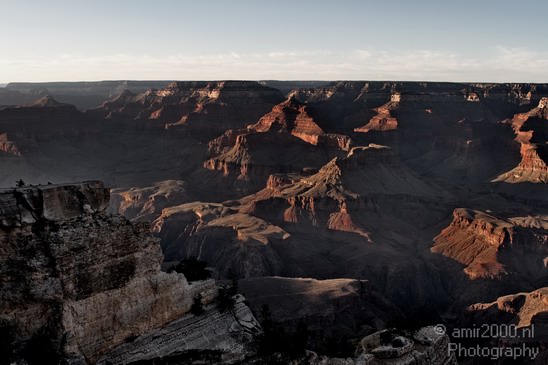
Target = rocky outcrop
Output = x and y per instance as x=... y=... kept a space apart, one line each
x=329 y=308
x=235 y=244
x=48 y=102
x=530 y=129
x=365 y=170
x=79 y=282
x=205 y=108
x=494 y=247
x=31 y=205
x=521 y=310
x=249 y=158
x=293 y=117
x=281 y=141
x=146 y=204
x=424 y=346
x=84 y=95
x=383 y=121
x=219 y=337
x=8 y=147
x=515 y=320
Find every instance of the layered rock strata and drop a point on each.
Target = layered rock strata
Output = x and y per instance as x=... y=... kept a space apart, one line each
x=82 y=281
x=495 y=247
x=531 y=133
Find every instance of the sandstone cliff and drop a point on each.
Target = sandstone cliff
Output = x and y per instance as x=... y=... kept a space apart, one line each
x=205 y=109
x=530 y=129
x=287 y=139
x=146 y=204
x=494 y=247
x=236 y=244
x=383 y=120
x=521 y=309
x=513 y=320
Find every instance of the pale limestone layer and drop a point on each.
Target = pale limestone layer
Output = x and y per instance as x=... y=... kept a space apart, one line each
x=225 y=334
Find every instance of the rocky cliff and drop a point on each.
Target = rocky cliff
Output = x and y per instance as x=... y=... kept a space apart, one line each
x=392 y=347
x=494 y=247
x=84 y=95
x=287 y=139
x=77 y=282
x=531 y=133
x=514 y=320
x=383 y=120
x=330 y=308
x=146 y=204
x=204 y=108
x=521 y=309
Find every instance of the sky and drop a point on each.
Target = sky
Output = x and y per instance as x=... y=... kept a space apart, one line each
x=441 y=40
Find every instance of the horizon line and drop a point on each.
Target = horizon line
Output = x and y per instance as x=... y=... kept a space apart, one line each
x=6 y=83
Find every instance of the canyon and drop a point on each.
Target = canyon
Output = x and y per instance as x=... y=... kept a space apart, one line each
x=353 y=207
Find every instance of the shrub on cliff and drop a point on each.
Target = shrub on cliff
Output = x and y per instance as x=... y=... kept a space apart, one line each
x=197 y=307
x=193 y=269
x=226 y=299
x=275 y=345
x=6 y=343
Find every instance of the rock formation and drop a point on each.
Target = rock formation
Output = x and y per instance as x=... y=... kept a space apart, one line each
x=494 y=247
x=515 y=320
x=521 y=309
x=237 y=244
x=343 y=187
x=8 y=147
x=424 y=346
x=279 y=142
x=84 y=95
x=78 y=282
x=421 y=347
x=146 y=204
x=329 y=308
x=530 y=129
x=383 y=121
x=204 y=108
x=254 y=156
x=295 y=118
x=214 y=336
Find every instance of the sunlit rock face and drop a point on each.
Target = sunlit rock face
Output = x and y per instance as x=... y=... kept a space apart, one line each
x=383 y=120
x=495 y=248
x=287 y=139
x=531 y=134
x=203 y=108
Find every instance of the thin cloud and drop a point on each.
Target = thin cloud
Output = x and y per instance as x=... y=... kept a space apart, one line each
x=499 y=64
